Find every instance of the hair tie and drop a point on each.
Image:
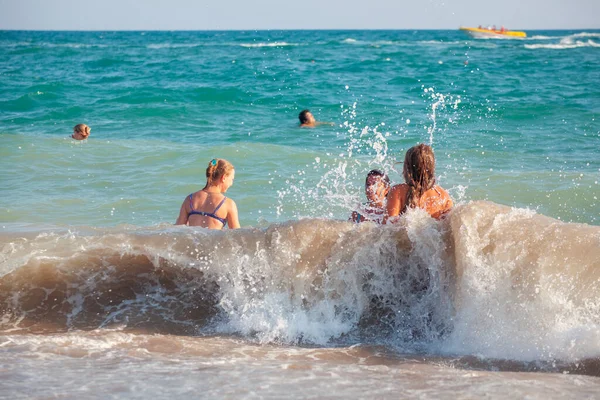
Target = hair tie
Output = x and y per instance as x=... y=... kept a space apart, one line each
x=213 y=162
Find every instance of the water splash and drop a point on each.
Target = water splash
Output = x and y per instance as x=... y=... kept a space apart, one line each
x=334 y=187
x=440 y=102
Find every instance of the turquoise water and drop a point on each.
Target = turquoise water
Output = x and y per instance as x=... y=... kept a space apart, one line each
x=512 y=121
x=101 y=296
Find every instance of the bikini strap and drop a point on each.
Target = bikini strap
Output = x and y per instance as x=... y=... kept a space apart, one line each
x=219 y=206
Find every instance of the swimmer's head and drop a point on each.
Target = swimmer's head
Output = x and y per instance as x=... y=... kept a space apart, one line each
x=81 y=131
x=219 y=171
x=306 y=117
x=377 y=186
x=419 y=171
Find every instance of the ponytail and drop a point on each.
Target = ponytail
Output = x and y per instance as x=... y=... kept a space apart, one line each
x=217 y=168
x=83 y=129
x=419 y=172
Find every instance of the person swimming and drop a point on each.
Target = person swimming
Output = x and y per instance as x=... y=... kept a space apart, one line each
x=81 y=132
x=419 y=189
x=377 y=186
x=307 y=120
x=208 y=207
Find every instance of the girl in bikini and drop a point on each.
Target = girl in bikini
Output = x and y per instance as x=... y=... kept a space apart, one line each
x=209 y=208
x=420 y=190
x=377 y=186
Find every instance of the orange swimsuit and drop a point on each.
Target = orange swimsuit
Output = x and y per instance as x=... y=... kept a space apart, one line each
x=436 y=201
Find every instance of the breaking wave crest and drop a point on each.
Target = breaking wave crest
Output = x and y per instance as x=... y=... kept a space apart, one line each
x=488 y=280
x=578 y=40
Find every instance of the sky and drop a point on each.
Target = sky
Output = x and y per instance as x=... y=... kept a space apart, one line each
x=304 y=14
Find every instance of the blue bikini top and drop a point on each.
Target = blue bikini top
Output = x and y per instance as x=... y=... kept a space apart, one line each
x=207 y=214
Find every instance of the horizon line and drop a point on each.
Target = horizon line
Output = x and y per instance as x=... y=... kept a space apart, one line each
x=274 y=29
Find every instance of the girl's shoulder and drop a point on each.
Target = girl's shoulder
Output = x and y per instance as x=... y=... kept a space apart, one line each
x=200 y=194
x=230 y=203
x=440 y=203
x=399 y=188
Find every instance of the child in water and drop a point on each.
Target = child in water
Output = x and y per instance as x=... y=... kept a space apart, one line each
x=209 y=208
x=307 y=120
x=377 y=186
x=81 y=132
x=419 y=189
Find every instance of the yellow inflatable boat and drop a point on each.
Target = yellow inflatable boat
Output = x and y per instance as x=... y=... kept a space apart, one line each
x=492 y=33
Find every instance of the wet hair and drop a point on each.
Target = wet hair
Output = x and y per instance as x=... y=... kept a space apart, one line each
x=378 y=173
x=418 y=172
x=303 y=117
x=83 y=129
x=217 y=168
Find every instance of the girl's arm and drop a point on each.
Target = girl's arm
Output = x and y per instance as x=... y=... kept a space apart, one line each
x=393 y=203
x=182 y=219
x=232 y=216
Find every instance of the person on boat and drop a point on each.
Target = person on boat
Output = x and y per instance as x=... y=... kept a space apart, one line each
x=209 y=208
x=377 y=186
x=419 y=189
x=81 y=132
x=307 y=120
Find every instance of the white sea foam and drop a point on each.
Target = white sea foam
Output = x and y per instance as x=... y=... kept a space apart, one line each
x=570 y=42
x=489 y=280
x=72 y=45
x=542 y=37
x=527 y=295
x=439 y=42
x=587 y=34
x=563 y=45
x=268 y=44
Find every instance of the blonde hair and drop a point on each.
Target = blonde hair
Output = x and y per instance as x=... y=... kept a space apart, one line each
x=83 y=129
x=217 y=168
x=418 y=172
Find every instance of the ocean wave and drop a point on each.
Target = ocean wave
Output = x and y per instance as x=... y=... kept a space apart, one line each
x=563 y=45
x=542 y=37
x=158 y=46
x=15 y=44
x=569 y=42
x=587 y=34
x=73 y=45
x=489 y=280
x=378 y=43
x=268 y=44
x=32 y=46
x=438 y=42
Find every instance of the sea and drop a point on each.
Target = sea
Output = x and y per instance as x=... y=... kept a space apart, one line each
x=102 y=296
